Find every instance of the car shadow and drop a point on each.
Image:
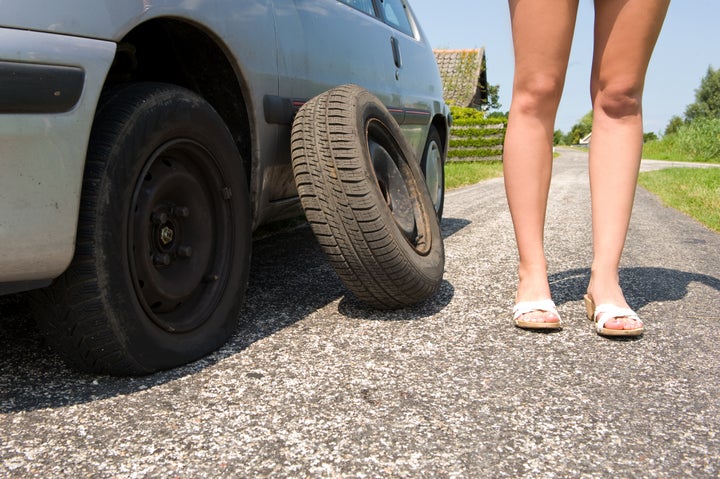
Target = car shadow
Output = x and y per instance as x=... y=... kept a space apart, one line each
x=289 y=279
x=450 y=226
x=642 y=285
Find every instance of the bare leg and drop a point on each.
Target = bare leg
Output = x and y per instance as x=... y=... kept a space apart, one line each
x=542 y=37
x=625 y=35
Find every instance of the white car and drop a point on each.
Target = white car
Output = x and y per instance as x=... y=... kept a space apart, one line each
x=142 y=142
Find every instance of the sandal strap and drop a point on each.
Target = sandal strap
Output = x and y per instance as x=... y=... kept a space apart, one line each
x=525 y=307
x=610 y=311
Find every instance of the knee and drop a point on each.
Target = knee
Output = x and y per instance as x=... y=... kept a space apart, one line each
x=618 y=100
x=538 y=94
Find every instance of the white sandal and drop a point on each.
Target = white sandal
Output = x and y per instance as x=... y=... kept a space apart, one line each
x=608 y=312
x=525 y=307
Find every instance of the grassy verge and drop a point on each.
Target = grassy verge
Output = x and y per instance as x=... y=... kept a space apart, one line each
x=463 y=173
x=696 y=141
x=694 y=191
x=665 y=150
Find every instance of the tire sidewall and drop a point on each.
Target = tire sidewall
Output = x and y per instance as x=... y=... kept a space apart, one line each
x=168 y=114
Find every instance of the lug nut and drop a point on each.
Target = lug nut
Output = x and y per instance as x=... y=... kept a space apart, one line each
x=180 y=211
x=159 y=218
x=161 y=259
x=184 y=251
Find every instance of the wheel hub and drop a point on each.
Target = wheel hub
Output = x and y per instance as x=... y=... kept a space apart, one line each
x=179 y=220
x=394 y=191
x=166 y=235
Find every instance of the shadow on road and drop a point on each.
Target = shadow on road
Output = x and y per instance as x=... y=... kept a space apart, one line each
x=289 y=279
x=640 y=285
x=450 y=226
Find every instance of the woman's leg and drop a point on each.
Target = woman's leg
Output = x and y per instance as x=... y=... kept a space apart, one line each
x=625 y=35
x=542 y=36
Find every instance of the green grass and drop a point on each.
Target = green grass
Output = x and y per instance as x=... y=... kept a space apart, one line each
x=694 y=191
x=463 y=173
x=696 y=141
x=664 y=150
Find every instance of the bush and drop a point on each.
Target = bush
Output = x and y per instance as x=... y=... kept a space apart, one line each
x=473 y=136
x=460 y=114
x=695 y=141
x=701 y=139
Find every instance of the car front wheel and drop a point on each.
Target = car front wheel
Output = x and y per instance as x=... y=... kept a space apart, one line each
x=164 y=238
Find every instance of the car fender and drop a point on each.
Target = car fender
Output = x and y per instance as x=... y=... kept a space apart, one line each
x=41 y=179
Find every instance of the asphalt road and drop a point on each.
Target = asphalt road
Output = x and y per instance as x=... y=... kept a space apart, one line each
x=314 y=385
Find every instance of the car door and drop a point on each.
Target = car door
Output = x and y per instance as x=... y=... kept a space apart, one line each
x=376 y=44
x=322 y=44
x=418 y=85
x=325 y=43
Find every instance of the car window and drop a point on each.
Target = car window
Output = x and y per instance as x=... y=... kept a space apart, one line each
x=395 y=14
x=362 y=5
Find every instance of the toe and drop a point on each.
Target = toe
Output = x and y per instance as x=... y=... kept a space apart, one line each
x=540 y=317
x=623 y=323
x=632 y=324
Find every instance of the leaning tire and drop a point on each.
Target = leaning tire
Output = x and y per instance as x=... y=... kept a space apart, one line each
x=163 y=245
x=365 y=198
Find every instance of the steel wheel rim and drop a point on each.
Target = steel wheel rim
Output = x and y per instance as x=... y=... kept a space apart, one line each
x=433 y=173
x=180 y=236
x=397 y=186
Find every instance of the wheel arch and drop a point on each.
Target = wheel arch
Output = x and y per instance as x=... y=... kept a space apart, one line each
x=441 y=124
x=182 y=53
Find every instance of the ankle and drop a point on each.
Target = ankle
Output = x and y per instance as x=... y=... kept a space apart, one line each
x=532 y=271
x=606 y=291
x=533 y=286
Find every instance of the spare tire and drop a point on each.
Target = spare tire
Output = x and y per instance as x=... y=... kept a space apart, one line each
x=366 y=199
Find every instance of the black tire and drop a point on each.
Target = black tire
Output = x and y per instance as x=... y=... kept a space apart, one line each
x=432 y=165
x=366 y=199
x=164 y=237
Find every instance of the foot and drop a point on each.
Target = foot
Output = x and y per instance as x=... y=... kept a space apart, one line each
x=613 y=320
x=529 y=312
x=627 y=322
x=536 y=315
x=604 y=290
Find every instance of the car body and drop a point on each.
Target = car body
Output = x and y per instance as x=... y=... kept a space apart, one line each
x=256 y=62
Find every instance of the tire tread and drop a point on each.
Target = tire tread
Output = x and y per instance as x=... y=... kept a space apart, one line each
x=336 y=192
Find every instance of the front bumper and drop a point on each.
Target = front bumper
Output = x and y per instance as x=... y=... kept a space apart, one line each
x=50 y=87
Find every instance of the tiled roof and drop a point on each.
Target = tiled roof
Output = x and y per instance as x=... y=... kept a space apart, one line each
x=463 y=75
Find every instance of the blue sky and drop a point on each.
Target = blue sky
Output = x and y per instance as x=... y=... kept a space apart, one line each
x=688 y=44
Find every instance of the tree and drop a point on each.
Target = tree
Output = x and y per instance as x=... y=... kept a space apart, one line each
x=493 y=102
x=651 y=136
x=557 y=137
x=707 y=98
x=498 y=114
x=491 y=93
x=674 y=125
x=580 y=129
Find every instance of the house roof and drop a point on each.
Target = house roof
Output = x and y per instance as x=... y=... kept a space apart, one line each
x=464 y=76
